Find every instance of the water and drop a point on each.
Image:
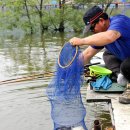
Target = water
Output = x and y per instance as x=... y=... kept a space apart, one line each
x=24 y=105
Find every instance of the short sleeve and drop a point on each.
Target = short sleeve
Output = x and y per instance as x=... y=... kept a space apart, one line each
x=97 y=47
x=120 y=23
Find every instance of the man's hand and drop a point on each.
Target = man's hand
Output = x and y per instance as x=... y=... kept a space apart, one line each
x=75 y=41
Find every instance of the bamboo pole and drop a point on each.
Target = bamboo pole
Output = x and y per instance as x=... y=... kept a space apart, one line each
x=30 y=77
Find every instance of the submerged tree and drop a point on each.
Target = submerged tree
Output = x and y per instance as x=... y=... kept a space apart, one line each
x=33 y=16
x=28 y=15
x=61 y=6
x=40 y=11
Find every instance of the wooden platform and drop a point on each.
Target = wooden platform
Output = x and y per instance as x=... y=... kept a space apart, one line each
x=120 y=113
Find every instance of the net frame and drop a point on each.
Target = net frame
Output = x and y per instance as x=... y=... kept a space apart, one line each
x=76 y=52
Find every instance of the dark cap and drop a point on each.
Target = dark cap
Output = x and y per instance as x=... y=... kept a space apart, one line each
x=91 y=16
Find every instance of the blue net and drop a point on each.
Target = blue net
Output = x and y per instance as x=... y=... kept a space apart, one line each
x=67 y=109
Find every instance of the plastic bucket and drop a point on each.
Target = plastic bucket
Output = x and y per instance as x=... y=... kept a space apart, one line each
x=99 y=71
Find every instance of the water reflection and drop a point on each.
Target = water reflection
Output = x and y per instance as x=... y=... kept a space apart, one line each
x=29 y=55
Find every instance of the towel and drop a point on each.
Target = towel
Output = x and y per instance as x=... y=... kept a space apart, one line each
x=103 y=82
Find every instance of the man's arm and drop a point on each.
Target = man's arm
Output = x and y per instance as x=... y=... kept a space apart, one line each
x=99 y=39
x=89 y=53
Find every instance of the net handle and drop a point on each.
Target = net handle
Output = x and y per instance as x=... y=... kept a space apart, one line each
x=70 y=61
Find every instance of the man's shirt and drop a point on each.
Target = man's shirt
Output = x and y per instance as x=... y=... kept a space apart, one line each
x=121 y=47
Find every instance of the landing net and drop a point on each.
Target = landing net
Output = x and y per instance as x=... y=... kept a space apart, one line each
x=67 y=109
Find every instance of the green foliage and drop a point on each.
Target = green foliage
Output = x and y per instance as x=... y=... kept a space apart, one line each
x=54 y=17
x=83 y=1
x=14 y=15
x=45 y=19
x=75 y=20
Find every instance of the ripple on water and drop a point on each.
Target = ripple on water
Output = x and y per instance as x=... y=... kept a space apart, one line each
x=24 y=106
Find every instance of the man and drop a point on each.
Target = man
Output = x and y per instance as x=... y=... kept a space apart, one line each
x=113 y=34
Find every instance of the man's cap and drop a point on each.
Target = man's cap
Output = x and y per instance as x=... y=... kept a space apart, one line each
x=91 y=16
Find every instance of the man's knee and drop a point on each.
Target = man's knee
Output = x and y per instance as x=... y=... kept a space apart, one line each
x=112 y=63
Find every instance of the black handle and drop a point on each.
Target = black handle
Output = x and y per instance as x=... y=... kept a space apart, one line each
x=87 y=65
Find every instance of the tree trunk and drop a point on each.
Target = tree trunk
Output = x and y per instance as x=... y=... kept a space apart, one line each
x=61 y=6
x=41 y=15
x=28 y=15
x=108 y=4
